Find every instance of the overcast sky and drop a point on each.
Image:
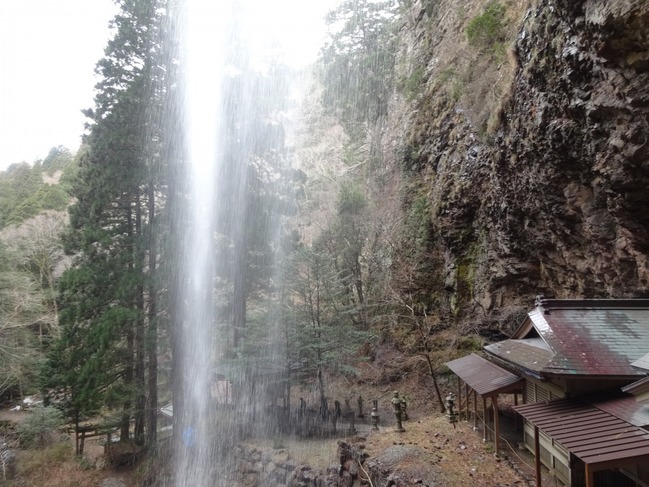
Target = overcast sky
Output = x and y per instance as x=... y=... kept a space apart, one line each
x=48 y=50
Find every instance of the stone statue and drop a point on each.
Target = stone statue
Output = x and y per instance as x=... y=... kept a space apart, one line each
x=404 y=408
x=360 y=407
x=336 y=415
x=450 y=405
x=324 y=409
x=396 y=404
x=302 y=409
x=337 y=411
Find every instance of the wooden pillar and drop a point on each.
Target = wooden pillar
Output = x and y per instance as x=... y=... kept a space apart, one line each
x=475 y=410
x=254 y=403
x=537 y=457
x=485 y=417
x=494 y=404
x=468 y=401
x=459 y=398
x=524 y=395
x=516 y=422
x=590 y=476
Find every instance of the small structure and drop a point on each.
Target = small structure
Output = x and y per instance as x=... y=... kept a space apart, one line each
x=640 y=389
x=577 y=362
x=593 y=439
x=485 y=380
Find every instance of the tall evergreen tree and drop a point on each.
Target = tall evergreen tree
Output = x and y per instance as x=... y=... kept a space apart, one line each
x=323 y=335
x=256 y=167
x=107 y=299
x=24 y=194
x=358 y=63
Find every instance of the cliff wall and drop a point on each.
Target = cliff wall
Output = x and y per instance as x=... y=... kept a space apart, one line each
x=531 y=148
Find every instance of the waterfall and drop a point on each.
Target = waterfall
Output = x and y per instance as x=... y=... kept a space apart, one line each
x=203 y=64
x=228 y=218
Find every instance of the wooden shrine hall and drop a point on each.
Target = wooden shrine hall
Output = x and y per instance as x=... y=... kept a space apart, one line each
x=478 y=377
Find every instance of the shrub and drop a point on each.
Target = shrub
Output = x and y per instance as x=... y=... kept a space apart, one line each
x=487 y=30
x=39 y=429
x=413 y=84
x=54 y=466
x=470 y=343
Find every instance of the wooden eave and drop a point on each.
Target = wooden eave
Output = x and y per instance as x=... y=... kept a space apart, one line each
x=601 y=440
x=484 y=376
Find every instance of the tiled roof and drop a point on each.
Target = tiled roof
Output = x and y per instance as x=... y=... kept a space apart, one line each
x=600 y=337
x=591 y=434
x=483 y=376
x=642 y=362
x=638 y=388
x=525 y=354
x=623 y=406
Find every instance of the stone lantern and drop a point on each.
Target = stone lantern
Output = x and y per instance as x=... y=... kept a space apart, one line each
x=374 y=415
x=359 y=401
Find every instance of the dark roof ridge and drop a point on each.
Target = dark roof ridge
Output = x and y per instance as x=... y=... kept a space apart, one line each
x=603 y=303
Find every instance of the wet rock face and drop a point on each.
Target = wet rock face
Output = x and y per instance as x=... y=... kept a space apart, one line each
x=572 y=161
x=555 y=199
x=260 y=468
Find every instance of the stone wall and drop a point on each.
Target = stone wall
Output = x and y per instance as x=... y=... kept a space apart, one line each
x=261 y=468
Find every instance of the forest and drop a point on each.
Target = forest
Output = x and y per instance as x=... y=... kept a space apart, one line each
x=449 y=163
x=95 y=311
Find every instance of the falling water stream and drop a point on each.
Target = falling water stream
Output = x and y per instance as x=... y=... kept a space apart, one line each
x=222 y=42
x=203 y=61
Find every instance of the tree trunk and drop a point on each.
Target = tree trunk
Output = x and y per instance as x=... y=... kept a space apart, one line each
x=177 y=383
x=152 y=335
x=176 y=277
x=130 y=355
x=431 y=369
x=324 y=407
x=239 y=297
x=139 y=379
x=124 y=434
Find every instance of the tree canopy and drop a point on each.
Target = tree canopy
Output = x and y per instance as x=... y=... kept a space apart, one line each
x=107 y=299
x=120 y=303
x=358 y=62
x=26 y=190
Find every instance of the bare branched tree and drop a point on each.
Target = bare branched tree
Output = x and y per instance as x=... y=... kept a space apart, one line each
x=35 y=248
x=416 y=315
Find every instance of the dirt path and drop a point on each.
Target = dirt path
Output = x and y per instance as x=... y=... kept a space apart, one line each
x=12 y=416
x=433 y=452
x=430 y=451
